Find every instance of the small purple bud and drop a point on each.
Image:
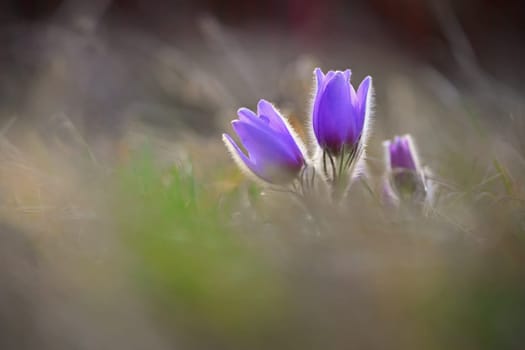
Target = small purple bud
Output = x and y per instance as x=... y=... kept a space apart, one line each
x=402 y=154
x=275 y=155
x=404 y=176
x=340 y=114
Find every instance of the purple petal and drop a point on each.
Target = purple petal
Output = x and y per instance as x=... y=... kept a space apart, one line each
x=362 y=99
x=271 y=155
x=248 y=116
x=245 y=112
x=276 y=123
x=267 y=111
x=271 y=121
x=409 y=155
x=401 y=154
x=321 y=80
x=319 y=75
x=329 y=75
x=240 y=153
x=348 y=74
x=362 y=92
x=333 y=112
x=392 y=150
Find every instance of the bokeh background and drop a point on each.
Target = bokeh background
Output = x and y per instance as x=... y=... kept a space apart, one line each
x=125 y=225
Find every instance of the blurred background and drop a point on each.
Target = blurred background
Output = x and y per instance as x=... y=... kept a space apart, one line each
x=104 y=61
x=124 y=224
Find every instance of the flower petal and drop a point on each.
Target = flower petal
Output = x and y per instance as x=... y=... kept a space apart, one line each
x=408 y=153
x=238 y=155
x=321 y=79
x=272 y=156
x=319 y=75
x=333 y=113
x=267 y=111
x=271 y=121
x=247 y=116
x=348 y=74
x=363 y=93
x=276 y=122
x=361 y=106
x=402 y=154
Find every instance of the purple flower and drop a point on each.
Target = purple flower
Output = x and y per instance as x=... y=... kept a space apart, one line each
x=401 y=153
x=274 y=154
x=340 y=114
x=404 y=177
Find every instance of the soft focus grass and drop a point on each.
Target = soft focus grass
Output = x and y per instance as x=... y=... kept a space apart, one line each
x=209 y=265
x=200 y=273
x=235 y=267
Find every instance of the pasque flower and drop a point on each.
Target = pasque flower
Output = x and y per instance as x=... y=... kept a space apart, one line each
x=340 y=113
x=274 y=153
x=401 y=153
x=340 y=119
x=405 y=179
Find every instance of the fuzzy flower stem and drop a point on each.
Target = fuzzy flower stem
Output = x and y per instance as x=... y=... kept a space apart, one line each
x=332 y=163
x=351 y=155
x=324 y=164
x=341 y=161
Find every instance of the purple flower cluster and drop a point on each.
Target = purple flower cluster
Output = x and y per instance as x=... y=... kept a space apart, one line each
x=340 y=123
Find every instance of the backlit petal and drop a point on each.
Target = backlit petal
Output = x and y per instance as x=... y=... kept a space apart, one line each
x=267 y=111
x=270 y=155
x=333 y=115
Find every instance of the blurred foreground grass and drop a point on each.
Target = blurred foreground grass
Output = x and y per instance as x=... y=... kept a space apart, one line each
x=369 y=277
x=166 y=254
x=201 y=273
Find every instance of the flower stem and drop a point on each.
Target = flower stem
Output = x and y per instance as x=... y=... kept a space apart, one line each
x=341 y=161
x=334 y=173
